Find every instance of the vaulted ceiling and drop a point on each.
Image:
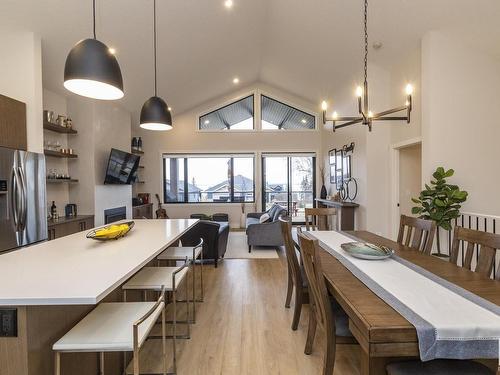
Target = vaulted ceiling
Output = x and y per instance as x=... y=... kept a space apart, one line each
x=309 y=48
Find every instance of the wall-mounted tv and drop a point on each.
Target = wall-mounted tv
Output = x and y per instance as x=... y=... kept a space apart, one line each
x=122 y=168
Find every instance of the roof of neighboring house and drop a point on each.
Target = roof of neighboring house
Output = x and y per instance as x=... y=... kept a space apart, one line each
x=241 y=183
x=191 y=188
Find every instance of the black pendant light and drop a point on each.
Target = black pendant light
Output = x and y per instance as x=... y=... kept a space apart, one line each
x=154 y=113
x=91 y=70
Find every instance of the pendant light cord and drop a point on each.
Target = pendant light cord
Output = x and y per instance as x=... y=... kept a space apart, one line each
x=366 y=41
x=93 y=16
x=154 y=40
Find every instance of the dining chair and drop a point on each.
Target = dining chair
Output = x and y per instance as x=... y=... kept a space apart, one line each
x=325 y=311
x=296 y=277
x=419 y=231
x=320 y=218
x=486 y=244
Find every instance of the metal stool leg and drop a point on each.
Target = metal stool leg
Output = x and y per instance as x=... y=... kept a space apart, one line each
x=101 y=363
x=201 y=276
x=174 y=336
x=163 y=341
x=57 y=364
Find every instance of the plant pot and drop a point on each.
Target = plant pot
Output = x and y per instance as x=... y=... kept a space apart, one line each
x=323 y=192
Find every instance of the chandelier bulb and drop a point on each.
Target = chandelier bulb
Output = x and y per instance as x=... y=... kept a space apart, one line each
x=409 y=89
x=324 y=105
x=359 y=91
x=335 y=115
x=370 y=114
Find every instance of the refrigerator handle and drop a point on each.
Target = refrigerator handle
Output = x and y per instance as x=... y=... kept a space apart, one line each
x=14 y=197
x=24 y=200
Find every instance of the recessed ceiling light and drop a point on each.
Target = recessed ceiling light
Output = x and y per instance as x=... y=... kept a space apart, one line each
x=304 y=121
x=207 y=122
x=236 y=80
x=112 y=50
x=228 y=3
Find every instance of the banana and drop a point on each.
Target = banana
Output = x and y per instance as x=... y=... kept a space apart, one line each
x=112 y=231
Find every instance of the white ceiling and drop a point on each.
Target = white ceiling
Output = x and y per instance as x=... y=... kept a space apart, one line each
x=308 y=48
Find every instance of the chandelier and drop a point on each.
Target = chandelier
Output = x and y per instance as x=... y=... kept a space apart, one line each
x=366 y=117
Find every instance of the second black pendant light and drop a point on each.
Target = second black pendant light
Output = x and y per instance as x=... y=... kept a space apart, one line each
x=154 y=113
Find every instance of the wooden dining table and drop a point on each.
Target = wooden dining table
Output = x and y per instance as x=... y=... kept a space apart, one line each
x=382 y=333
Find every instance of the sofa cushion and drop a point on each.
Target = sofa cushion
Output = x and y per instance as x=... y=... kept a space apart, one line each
x=264 y=218
x=272 y=210
x=252 y=220
x=279 y=211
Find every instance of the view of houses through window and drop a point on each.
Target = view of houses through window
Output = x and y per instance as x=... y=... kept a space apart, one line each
x=208 y=178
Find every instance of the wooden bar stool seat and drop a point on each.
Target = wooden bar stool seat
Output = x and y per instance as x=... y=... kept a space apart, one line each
x=114 y=327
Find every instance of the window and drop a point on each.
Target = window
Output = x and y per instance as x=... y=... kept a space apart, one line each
x=208 y=178
x=234 y=116
x=276 y=115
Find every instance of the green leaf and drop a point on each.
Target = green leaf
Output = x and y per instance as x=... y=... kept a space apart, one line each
x=416 y=210
x=449 y=173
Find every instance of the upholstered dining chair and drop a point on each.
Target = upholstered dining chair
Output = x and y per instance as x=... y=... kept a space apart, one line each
x=419 y=231
x=320 y=218
x=325 y=311
x=296 y=278
x=483 y=242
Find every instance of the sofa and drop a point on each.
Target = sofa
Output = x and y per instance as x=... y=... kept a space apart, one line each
x=268 y=233
x=215 y=236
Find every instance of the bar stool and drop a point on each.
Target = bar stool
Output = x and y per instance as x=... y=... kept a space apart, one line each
x=168 y=278
x=192 y=253
x=114 y=327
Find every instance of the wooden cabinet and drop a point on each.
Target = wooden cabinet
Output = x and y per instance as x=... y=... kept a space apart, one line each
x=12 y=123
x=66 y=226
x=144 y=211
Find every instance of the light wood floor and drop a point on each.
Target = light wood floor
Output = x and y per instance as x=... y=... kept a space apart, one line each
x=244 y=328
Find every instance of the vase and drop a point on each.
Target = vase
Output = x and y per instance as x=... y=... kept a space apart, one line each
x=323 y=192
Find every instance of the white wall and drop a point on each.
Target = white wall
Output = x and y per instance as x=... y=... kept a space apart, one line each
x=21 y=79
x=101 y=126
x=186 y=138
x=459 y=125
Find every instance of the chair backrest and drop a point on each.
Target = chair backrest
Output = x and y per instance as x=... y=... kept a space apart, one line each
x=320 y=218
x=317 y=287
x=208 y=231
x=486 y=245
x=419 y=232
x=291 y=255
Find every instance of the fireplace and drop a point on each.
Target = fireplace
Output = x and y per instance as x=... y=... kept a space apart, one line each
x=115 y=214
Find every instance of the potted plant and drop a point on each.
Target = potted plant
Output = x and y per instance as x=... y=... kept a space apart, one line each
x=440 y=202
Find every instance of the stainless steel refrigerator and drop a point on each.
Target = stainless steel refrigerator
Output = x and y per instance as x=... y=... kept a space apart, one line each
x=23 y=204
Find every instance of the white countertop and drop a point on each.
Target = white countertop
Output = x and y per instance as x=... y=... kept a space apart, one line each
x=75 y=270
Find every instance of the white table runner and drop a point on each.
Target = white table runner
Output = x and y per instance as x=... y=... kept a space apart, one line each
x=450 y=321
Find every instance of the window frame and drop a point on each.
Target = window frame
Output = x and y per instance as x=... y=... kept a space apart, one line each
x=227 y=103
x=263 y=94
x=186 y=156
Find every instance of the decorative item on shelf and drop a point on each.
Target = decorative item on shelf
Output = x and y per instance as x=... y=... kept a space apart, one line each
x=139 y=144
x=144 y=197
x=111 y=232
x=48 y=116
x=61 y=121
x=440 y=202
x=53 y=211
x=69 y=123
x=322 y=174
x=70 y=210
x=366 y=116
x=134 y=144
x=349 y=190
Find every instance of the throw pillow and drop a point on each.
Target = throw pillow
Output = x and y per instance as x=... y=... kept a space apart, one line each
x=264 y=218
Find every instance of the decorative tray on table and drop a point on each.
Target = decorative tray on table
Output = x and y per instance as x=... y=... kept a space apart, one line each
x=111 y=232
x=364 y=250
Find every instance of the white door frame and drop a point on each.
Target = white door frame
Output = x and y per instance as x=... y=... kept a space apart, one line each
x=395 y=181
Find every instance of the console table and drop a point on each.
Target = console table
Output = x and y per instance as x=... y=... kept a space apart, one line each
x=345 y=212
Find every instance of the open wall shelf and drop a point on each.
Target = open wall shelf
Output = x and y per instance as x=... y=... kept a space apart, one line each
x=58 y=128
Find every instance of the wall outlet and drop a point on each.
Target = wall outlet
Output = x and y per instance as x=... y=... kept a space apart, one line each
x=8 y=323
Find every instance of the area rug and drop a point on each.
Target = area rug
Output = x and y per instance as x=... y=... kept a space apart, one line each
x=237 y=248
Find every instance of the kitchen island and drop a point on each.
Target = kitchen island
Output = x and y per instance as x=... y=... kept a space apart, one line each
x=52 y=285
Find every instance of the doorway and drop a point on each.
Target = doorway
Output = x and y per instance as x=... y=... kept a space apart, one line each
x=290 y=181
x=407 y=179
